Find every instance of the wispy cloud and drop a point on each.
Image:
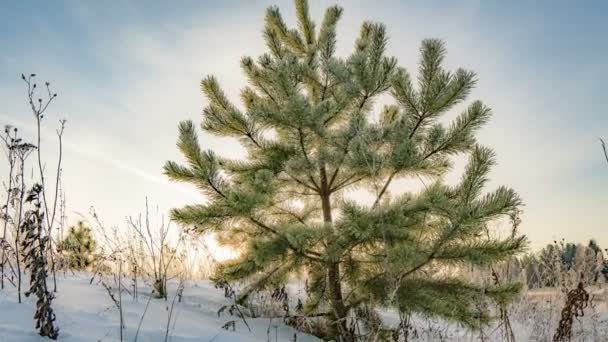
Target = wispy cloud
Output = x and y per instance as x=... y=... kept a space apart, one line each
x=129 y=76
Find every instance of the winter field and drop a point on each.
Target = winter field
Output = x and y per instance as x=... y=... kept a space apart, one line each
x=296 y=172
x=85 y=312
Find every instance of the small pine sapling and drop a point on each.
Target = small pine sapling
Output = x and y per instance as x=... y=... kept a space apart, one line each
x=78 y=247
x=312 y=135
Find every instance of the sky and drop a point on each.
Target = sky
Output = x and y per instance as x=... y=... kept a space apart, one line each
x=128 y=71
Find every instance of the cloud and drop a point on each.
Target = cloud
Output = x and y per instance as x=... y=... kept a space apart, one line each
x=141 y=71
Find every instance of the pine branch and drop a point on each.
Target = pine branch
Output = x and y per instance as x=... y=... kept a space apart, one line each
x=327 y=33
x=481 y=252
x=384 y=188
x=304 y=22
x=290 y=38
x=312 y=255
x=303 y=148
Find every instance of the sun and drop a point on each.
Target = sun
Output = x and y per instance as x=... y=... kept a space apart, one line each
x=218 y=252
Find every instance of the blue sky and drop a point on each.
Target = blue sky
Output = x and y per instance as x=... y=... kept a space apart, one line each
x=128 y=71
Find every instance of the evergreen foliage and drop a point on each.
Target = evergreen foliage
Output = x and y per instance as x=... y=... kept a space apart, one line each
x=78 y=247
x=308 y=124
x=34 y=248
x=568 y=254
x=565 y=264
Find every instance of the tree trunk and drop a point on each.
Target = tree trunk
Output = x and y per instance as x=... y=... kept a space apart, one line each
x=339 y=310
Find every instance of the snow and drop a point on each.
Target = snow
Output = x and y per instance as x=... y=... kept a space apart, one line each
x=86 y=313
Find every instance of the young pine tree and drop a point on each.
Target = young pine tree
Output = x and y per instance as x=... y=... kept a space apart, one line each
x=311 y=134
x=78 y=248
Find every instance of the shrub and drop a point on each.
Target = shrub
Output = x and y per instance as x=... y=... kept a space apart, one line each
x=78 y=248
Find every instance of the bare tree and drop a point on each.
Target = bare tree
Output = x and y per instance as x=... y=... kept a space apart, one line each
x=39 y=107
x=17 y=153
x=8 y=141
x=23 y=151
x=156 y=242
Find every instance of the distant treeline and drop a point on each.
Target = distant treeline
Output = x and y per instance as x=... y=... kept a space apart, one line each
x=562 y=264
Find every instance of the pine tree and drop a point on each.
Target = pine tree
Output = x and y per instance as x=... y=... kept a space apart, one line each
x=312 y=134
x=78 y=248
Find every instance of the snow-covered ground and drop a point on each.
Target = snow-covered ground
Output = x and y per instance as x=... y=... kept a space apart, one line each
x=86 y=313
